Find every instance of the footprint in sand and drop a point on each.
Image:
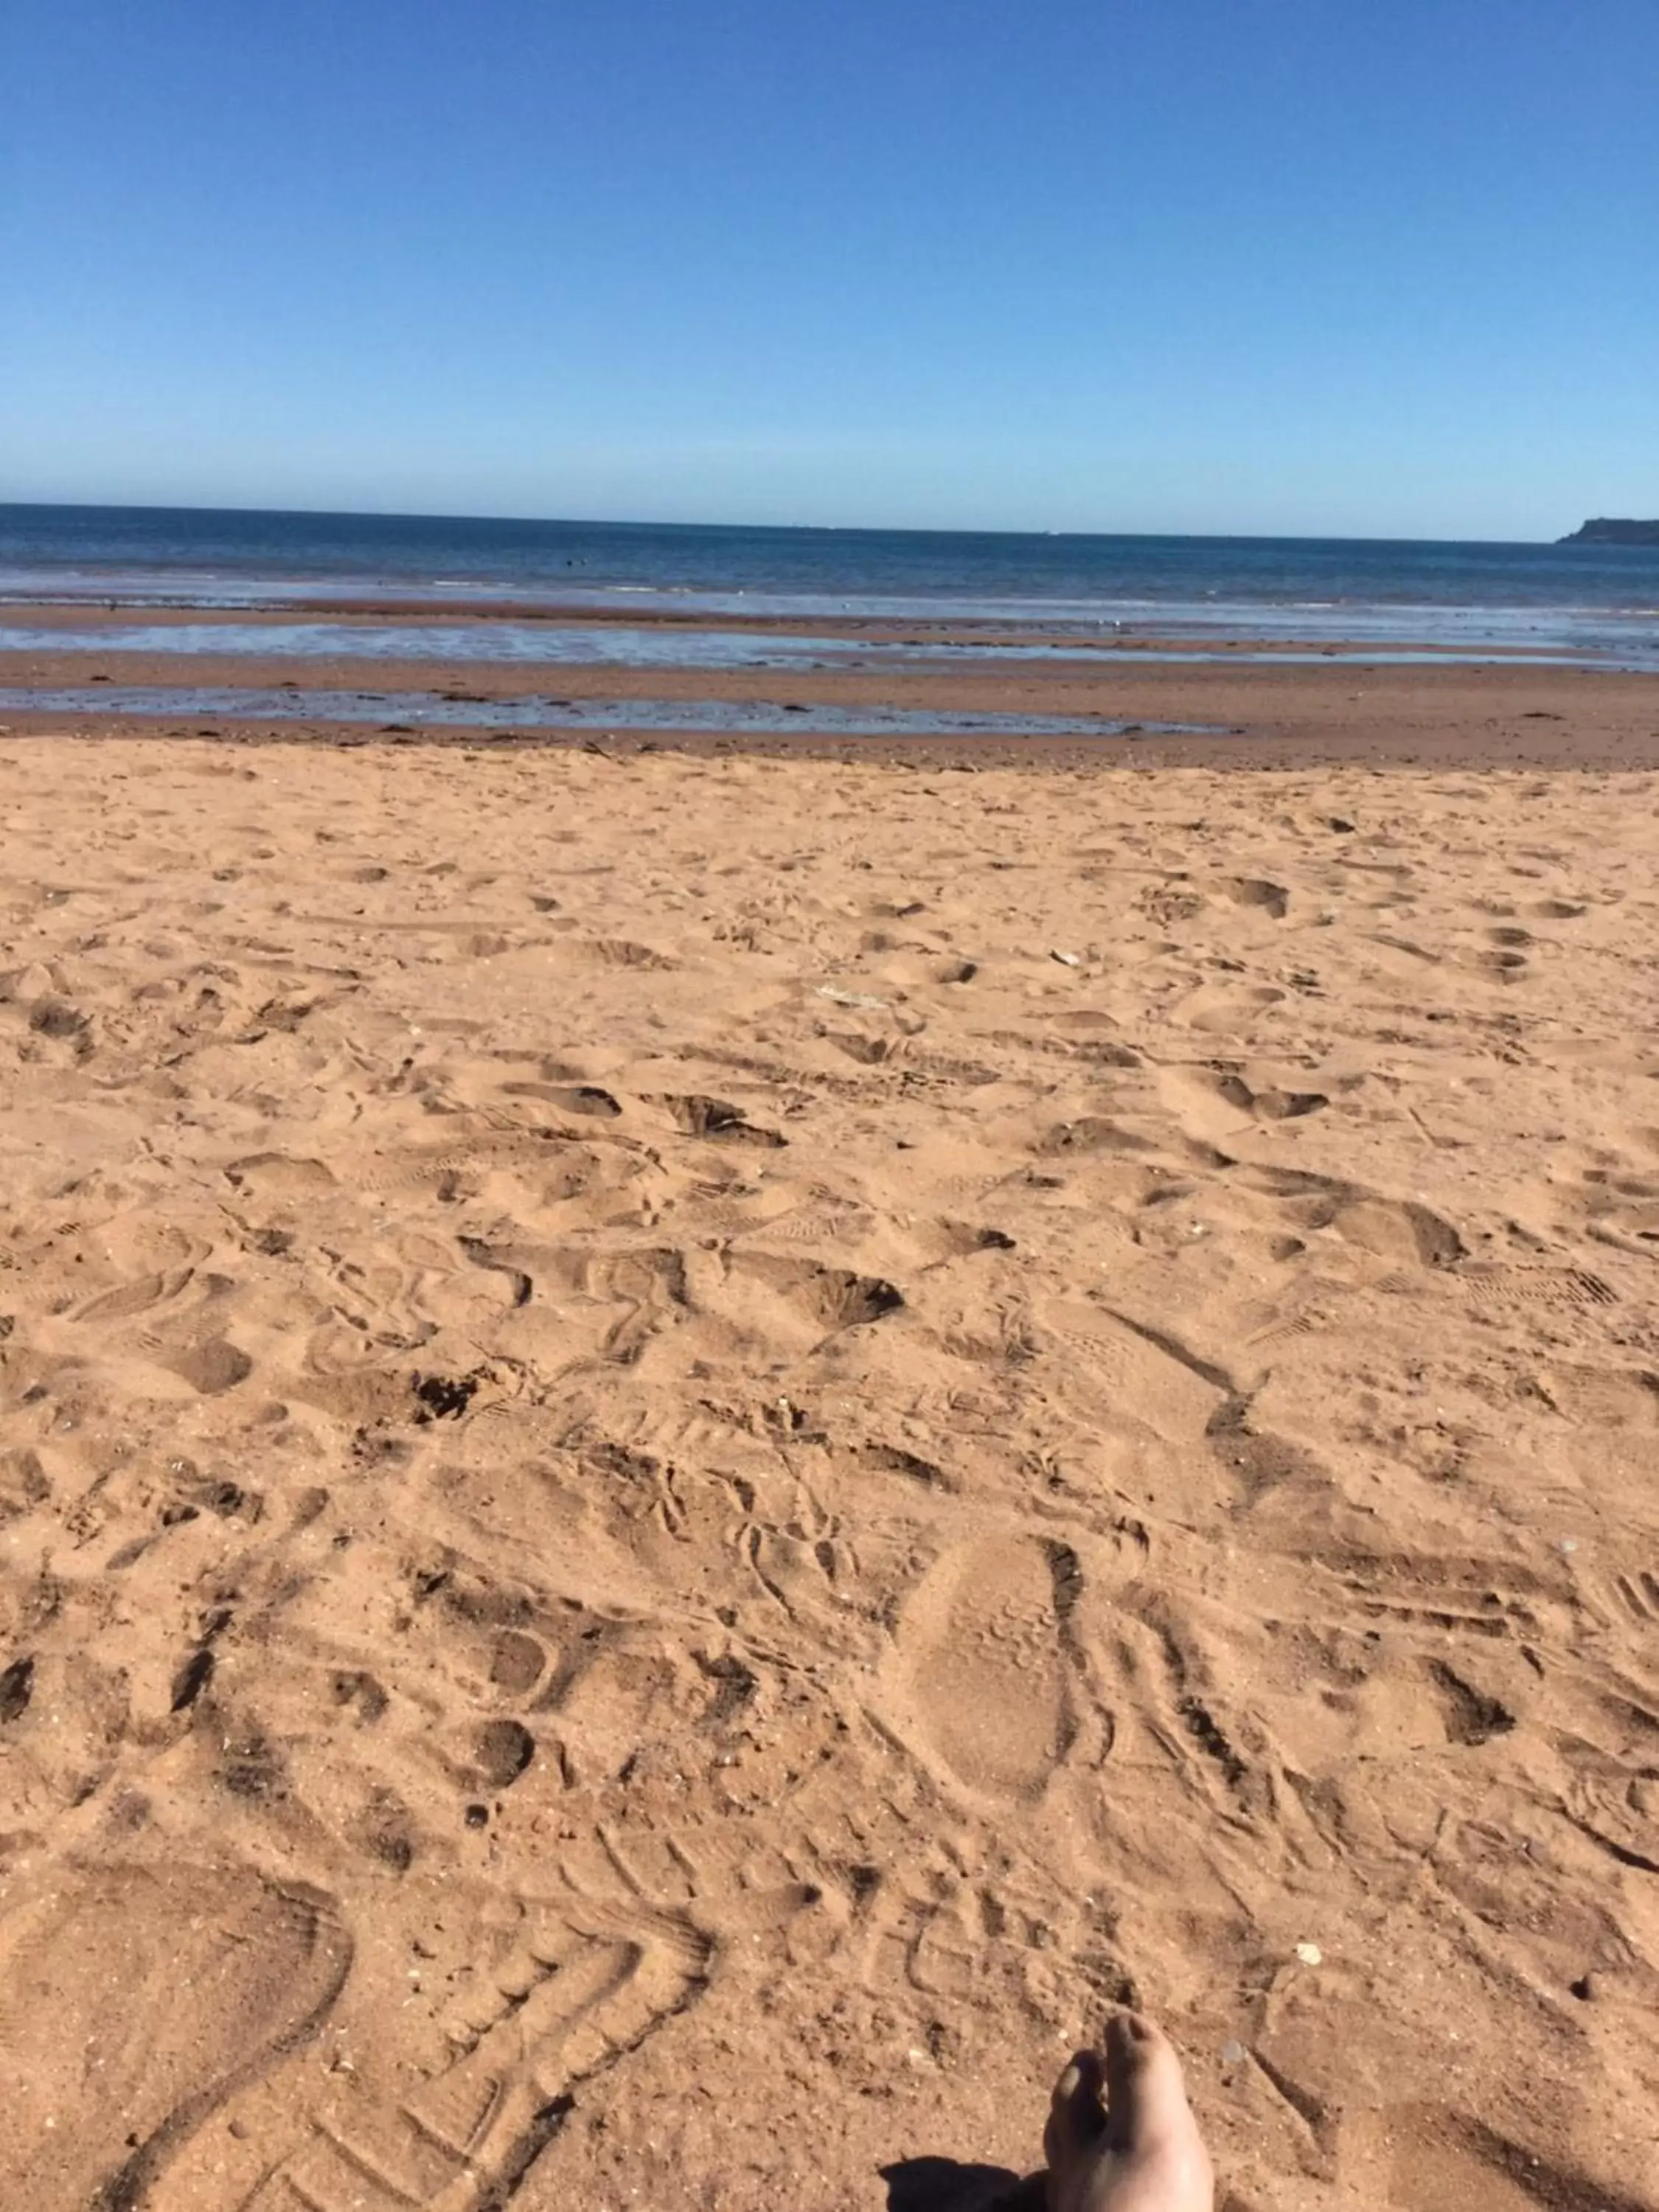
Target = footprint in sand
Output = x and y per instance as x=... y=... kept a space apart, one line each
x=799 y=1300
x=623 y=952
x=1502 y=966
x=134 y=2003
x=1430 y=2156
x=568 y=2001
x=1219 y=1012
x=1271 y=1103
x=981 y=1674
x=1564 y=1288
x=718 y=1123
x=212 y=1367
x=1272 y=899
x=1398 y=1229
x=1639 y=1592
x=559 y=1990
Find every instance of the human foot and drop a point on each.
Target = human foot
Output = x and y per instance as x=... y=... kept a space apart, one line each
x=1121 y=2135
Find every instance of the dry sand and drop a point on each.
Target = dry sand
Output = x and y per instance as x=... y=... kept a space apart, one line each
x=692 y=1452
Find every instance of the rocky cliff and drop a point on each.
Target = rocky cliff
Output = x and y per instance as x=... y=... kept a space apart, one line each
x=1603 y=530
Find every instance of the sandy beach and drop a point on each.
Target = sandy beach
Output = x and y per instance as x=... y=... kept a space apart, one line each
x=695 y=1448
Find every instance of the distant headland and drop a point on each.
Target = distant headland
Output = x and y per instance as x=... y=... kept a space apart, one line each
x=1604 y=530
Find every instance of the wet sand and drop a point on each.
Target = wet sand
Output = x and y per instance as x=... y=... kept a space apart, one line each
x=695 y=1448
x=1340 y=712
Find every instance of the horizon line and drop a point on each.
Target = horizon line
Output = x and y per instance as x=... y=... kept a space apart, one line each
x=816 y=529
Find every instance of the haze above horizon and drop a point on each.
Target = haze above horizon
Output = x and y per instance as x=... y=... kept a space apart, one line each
x=1242 y=268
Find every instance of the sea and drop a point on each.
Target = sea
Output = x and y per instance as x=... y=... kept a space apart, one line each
x=1594 y=604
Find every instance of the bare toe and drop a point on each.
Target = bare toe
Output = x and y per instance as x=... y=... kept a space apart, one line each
x=1145 y=2096
x=1076 y=2130
x=1136 y=2147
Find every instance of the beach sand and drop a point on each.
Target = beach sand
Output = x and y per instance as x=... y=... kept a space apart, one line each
x=695 y=1451
x=1268 y=712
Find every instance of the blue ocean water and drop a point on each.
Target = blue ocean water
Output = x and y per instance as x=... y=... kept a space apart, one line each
x=1590 y=601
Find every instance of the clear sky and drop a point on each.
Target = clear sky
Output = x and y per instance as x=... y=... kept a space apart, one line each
x=1254 y=266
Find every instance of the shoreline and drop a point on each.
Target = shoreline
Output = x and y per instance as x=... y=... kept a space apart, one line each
x=1572 y=719
x=1060 y=635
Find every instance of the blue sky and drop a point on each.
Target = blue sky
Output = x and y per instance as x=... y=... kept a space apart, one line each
x=1255 y=265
